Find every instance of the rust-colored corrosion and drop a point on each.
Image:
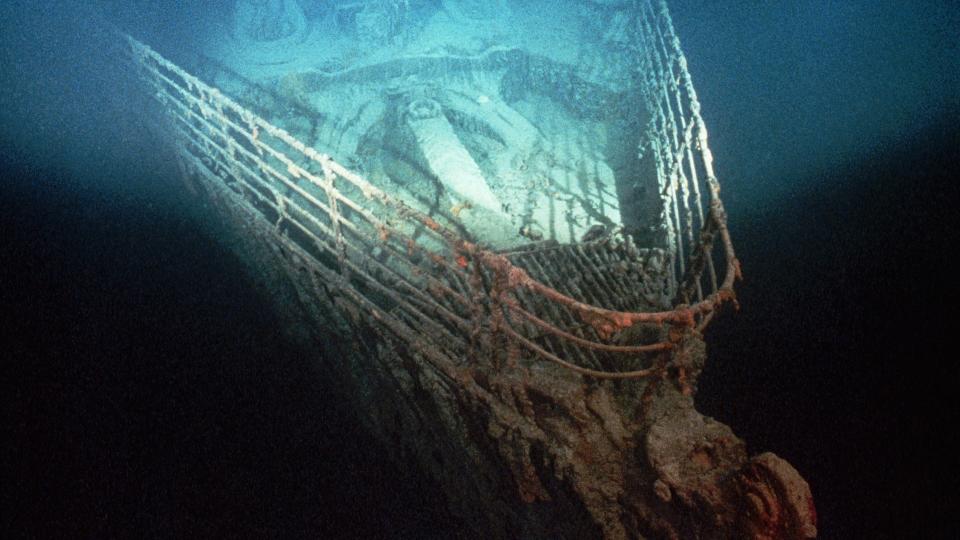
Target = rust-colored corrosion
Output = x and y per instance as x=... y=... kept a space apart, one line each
x=500 y=348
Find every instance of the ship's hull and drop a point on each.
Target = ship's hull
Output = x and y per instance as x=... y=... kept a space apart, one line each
x=546 y=386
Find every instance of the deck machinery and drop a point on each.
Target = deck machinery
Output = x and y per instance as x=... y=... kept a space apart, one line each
x=499 y=224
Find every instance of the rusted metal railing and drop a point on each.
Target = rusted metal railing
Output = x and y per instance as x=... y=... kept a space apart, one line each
x=435 y=289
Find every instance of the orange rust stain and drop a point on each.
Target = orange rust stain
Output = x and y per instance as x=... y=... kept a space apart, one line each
x=607 y=324
x=702 y=459
x=433 y=225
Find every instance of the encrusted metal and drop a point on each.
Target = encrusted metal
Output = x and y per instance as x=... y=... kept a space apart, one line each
x=569 y=304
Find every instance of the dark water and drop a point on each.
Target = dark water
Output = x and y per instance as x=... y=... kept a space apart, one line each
x=840 y=359
x=147 y=388
x=834 y=125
